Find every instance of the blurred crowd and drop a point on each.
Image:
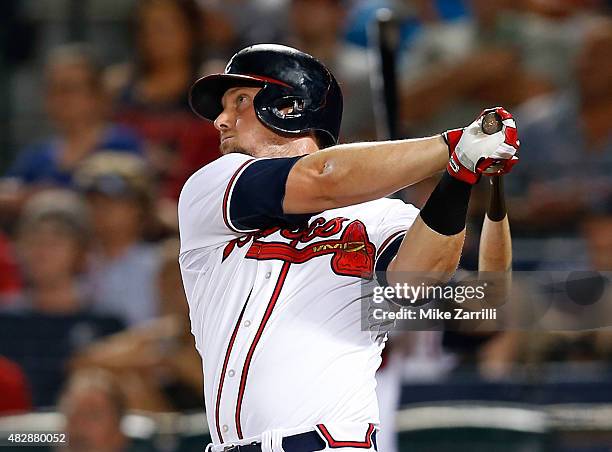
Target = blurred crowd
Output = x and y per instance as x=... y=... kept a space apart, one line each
x=98 y=139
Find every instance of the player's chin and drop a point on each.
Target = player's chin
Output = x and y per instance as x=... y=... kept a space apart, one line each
x=230 y=148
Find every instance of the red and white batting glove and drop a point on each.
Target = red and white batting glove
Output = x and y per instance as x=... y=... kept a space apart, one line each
x=473 y=152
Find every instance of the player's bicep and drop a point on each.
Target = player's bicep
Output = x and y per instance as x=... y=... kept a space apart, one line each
x=256 y=199
x=307 y=187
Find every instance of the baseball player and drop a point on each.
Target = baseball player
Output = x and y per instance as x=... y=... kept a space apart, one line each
x=279 y=235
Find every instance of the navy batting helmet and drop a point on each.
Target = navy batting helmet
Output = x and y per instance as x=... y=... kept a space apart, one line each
x=299 y=94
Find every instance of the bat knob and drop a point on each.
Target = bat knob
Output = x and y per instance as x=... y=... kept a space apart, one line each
x=491 y=123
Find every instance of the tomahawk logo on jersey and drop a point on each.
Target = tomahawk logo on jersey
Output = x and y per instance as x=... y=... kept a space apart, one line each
x=274 y=302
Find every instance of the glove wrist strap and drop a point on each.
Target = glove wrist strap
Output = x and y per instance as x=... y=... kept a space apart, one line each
x=446 y=209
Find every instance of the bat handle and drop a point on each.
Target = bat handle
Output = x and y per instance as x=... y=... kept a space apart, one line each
x=491 y=123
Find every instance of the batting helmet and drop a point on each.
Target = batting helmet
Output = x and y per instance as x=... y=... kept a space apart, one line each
x=299 y=94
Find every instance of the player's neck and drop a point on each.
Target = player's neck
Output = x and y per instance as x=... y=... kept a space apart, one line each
x=293 y=148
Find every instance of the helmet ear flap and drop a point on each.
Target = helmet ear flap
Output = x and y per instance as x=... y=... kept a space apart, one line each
x=282 y=109
x=288 y=107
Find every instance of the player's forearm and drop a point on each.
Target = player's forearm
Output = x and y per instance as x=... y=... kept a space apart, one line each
x=434 y=241
x=353 y=173
x=495 y=253
x=425 y=252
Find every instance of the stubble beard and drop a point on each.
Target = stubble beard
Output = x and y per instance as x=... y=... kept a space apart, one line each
x=277 y=147
x=227 y=148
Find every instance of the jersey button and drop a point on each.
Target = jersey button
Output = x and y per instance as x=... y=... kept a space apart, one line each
x=247 y=323
x=268 y=274
x=231 y=373
x=225 y=428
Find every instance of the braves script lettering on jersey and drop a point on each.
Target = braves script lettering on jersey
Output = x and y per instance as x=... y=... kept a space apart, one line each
x=275 y=311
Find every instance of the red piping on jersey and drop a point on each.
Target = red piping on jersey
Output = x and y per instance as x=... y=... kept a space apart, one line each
x=333 y=444
x=228 y=189
x=387 y=242
x=224 y=368
x=247 y=362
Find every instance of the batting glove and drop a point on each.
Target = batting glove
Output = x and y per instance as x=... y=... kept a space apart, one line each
x=473 y=152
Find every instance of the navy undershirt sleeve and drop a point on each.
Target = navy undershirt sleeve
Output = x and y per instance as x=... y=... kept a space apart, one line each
x=385 y=259
x=258 y=194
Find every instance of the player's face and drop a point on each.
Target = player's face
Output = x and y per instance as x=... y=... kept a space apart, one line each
x=240 y=130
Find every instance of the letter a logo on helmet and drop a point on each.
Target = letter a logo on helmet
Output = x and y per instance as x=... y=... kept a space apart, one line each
x=299 y=94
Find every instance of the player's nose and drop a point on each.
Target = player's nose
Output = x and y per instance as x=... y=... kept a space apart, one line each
x=223 y=121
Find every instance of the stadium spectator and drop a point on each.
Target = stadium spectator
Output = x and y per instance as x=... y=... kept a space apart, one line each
x=14 y=388
x=547 y=35
x=315 y=26
x=453 y=68
x=597 y=231
x=157 y=362
x=10 y=279
x=566 y=170
x=93 y=405
x=234 y=24
x=77 y=106
x=51 y=319
x=123 y=266
x=151 y=94
x=52 y=241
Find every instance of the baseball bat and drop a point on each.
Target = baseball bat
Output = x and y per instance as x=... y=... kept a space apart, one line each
x=491 y=123
x=383 y=42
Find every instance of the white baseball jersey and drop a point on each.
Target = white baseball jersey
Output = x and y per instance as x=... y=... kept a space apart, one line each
x=276 y=311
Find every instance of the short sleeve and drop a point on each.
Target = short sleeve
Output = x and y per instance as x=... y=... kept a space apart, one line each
x=204 y=203
x=233 y=196
x=256 y=199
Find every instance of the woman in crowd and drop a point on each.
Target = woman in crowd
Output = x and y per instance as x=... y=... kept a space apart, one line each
x=151 y=94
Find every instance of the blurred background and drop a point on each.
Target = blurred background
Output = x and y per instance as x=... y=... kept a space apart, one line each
x=97 y=138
